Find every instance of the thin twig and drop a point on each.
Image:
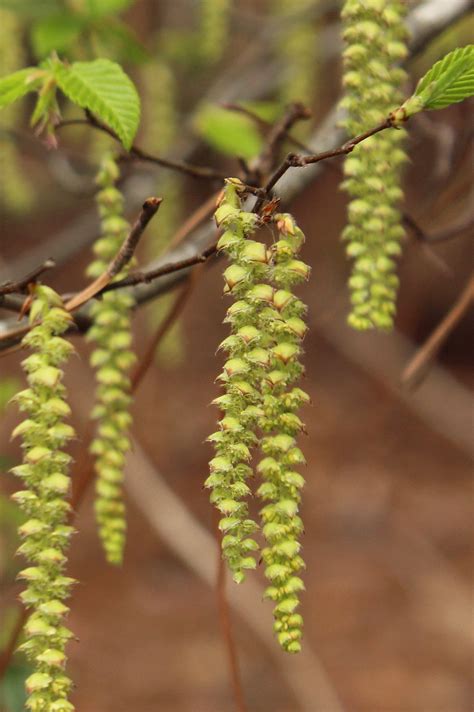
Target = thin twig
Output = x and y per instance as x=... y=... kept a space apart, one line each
x=441 y=236
x=147 y=277
x=139 y=154
x=264 y=125
x=296 y=160
x=122 y=258
x=269 y=156
x=21 y=285
x=226 y=630
x=416 y=368
x=176 y=308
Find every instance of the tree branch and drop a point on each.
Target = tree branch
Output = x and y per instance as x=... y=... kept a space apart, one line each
x=417 y=366
x=298 y=160
x=139 y=154
x=21 y=285
x=147 y=277
x=123 y=256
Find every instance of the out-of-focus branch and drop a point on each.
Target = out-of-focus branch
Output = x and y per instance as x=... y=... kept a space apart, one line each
x=418 y=365
x=441 y=236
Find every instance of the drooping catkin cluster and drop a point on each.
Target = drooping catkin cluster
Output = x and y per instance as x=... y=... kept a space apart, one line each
x=375 y=37
x=214 y=26
x=281 y=425
x=112 y=357
x=46 y=532
x=260 y=396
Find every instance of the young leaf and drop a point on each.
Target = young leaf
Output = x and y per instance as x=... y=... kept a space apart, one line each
x=16 y=85
x=448 y=81
x=230 y=133
x=103 y=87
x=57 y=32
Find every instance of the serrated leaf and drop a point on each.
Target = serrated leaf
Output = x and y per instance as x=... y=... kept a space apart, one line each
x=103 y=87
x=448 y=81
x=228 y=132
x=16 y=85
x=57 y=32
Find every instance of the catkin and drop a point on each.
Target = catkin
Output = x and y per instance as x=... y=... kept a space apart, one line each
x=375 y=37
x=112 y=358
x=45 y=532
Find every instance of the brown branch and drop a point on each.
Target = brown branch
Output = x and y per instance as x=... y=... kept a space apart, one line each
x=146 y=277
x=226 y=630
x=122 y=258
x=264 y=125
x=139 y=154
x=296 y=160
x=269 y=156
x=442 y=235
x=416 y=368
x=21 y=285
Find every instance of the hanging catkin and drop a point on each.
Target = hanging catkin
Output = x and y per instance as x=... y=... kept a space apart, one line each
x=375 y=37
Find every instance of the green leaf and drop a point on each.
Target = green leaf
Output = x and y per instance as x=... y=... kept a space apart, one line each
x=103 y=87
x=16 y=85
x=228 y=132
x=57 y=32
x=448 y=81
x=99 y=8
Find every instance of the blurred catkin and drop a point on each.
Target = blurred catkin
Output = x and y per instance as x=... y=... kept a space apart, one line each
x=375 y=37
x=111 y=358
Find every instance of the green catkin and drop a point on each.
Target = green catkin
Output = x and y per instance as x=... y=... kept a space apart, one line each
x=111 y=332
x=214 y=28
x=46 y=532
x=298 y=48
x=375 y=37
x=159 y=88
x=281 y=524
x=240 y=377
x=16 y=192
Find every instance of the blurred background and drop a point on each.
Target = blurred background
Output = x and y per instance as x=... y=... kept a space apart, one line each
x=388 y=504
